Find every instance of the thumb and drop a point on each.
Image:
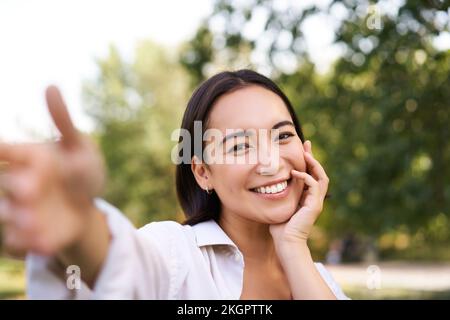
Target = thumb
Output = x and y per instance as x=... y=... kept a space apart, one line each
x=61 y=118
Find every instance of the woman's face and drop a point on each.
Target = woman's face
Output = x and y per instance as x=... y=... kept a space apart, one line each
x=247 y=188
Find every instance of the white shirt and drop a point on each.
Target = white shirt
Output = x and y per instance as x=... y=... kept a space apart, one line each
x=162 y=260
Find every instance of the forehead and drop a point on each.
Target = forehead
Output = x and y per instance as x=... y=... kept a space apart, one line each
x=251 y=107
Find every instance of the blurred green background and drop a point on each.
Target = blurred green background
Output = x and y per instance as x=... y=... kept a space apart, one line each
x=379 y=121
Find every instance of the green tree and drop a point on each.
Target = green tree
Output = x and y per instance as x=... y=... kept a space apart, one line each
x=379 y=118
x=136 y=106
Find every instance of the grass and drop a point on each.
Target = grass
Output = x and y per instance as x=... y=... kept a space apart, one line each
x=12 y=279
x=362 y=293
x=12 y=286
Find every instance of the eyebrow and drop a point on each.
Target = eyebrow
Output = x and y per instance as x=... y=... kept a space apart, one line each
x=237 y=134
x=250 y=133
x=282 y=124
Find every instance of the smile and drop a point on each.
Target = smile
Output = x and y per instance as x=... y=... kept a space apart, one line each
x=275 y=190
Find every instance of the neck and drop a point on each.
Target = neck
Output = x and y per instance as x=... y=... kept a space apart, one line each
x=252 y=238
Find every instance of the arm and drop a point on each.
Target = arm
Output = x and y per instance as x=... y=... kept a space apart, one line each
x=90 y=250
x=50 y=209
x=290 y=238
x=49 y=189
x=136 y=265
x=305 y=281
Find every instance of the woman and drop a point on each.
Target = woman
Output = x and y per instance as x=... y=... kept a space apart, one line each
x=250 y=202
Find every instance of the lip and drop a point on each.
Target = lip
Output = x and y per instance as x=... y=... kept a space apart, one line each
x=273 y=182
x=275 y=196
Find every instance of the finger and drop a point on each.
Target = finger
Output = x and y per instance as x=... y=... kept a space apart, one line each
x=3 y=165
x=9 y=186
x=16 y=154
x=5 y=212
x=22 y=219
x=307 y=146
x=16 y=242
x=309 y=180
x=61 y=118
x=316 y=169
x=18 y=186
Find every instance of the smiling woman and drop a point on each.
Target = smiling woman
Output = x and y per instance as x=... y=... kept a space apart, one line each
x=247 y=224
x=247 y=100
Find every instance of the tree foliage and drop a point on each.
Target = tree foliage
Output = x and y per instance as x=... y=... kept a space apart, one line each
x=136 y=105
x=379 y=119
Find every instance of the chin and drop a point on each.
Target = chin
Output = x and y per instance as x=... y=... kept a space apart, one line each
x=279 y=215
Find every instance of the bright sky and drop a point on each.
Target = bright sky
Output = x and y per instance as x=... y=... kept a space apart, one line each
x=51 y=41
x=55 y=42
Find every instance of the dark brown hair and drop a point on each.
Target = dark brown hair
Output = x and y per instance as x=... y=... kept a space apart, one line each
x=198 y=205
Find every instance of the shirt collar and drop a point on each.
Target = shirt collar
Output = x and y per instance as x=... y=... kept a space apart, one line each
x=210 y=233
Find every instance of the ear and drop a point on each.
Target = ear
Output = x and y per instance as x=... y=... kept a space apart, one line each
x=201 y=173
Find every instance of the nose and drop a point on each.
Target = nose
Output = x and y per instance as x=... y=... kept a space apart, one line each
x=268 y=159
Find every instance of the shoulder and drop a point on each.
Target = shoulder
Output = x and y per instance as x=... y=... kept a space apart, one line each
x=163 y=227
x=173 y=243
x=168 y=232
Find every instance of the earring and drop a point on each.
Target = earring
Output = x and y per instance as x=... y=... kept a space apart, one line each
x=208 y=191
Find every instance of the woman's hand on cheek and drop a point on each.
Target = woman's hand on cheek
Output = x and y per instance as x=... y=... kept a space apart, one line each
x=299 y=226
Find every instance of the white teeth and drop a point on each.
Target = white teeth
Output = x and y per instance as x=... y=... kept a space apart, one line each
x=273 y=188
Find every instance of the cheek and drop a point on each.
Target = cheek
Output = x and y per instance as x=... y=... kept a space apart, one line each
x=229 y=180
x=294 y=156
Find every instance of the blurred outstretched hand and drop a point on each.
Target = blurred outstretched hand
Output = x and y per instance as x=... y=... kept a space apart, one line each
x=47 y=190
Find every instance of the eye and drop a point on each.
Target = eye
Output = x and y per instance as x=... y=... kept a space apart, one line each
x=239 y=147
x=285 y=135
